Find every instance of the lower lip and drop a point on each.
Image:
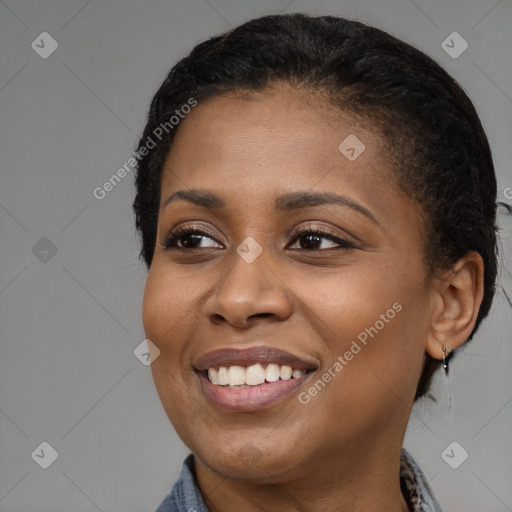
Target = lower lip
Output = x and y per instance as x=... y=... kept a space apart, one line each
x=251 y=398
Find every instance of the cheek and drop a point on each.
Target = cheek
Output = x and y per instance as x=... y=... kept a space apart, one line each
x=165 y=314
x=377 y=324
x=342 y=304
x=165 y=302
x=168 y=319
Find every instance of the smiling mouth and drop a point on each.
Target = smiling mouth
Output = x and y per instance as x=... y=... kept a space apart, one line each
x=239 y=377
x=251 y=379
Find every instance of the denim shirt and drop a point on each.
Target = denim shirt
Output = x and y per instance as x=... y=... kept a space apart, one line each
x=185 y=495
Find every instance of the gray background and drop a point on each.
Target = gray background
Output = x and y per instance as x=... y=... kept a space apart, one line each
x=70 y=321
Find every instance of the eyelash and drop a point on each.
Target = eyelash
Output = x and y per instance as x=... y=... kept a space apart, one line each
x=172 y=239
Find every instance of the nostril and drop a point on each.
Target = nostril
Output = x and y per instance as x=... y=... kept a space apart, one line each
x=216 y=319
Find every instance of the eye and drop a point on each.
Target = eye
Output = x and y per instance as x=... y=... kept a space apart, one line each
x=310 y=239
x=314 y=238
x=189 y=238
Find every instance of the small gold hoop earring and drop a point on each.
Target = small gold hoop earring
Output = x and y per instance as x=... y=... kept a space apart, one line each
x=446 y=351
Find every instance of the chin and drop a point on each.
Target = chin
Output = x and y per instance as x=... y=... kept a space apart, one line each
x=249 y=461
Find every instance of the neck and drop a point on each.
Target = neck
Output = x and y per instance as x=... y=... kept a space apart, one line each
x=349 y=481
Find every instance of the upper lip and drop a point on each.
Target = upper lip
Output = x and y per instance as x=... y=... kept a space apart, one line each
x=249 y=356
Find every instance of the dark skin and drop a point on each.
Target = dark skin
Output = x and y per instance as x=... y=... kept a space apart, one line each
x=308 y=295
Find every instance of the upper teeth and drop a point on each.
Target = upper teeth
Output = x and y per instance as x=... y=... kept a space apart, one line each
x=252 y=375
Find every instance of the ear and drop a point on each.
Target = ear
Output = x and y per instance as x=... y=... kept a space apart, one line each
x=457 y=296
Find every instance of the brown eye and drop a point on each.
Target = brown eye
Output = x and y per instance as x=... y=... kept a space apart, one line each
x=189 y=239
x=318 y=239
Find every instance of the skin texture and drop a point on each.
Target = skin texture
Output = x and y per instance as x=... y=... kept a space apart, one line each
x=341 y=450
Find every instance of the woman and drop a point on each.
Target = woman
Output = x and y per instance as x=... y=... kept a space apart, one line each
x=317 y=207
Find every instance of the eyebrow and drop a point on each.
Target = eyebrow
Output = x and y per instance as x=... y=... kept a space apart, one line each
x=286 y=202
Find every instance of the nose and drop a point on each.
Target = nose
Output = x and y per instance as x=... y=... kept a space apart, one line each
x=248 y=293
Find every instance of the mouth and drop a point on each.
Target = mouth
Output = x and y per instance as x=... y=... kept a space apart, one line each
x=251 y=379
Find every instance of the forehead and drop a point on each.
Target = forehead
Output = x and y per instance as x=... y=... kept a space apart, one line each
x=272 y=139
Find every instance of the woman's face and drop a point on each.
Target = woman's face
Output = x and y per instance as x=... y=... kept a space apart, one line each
x=254 y=291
